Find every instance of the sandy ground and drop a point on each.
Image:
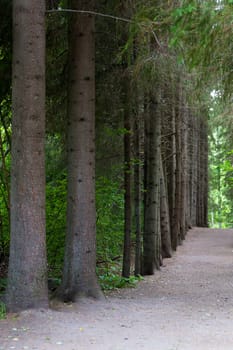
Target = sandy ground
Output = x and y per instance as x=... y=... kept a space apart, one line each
x=187 y=305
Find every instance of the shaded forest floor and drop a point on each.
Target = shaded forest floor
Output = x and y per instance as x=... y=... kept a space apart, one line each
x=187 y=305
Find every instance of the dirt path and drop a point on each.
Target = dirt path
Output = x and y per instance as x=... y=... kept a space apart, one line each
x=186 y=306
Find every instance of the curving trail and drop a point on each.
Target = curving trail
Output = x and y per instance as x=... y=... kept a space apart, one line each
x=188 y=305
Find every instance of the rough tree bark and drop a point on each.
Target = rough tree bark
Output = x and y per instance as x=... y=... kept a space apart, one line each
x=27 y=277
x=79 y=274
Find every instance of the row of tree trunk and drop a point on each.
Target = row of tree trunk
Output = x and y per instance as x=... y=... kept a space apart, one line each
x=170 y=175
x=169 y=141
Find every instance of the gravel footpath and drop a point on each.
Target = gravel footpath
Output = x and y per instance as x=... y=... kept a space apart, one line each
x=188 y=305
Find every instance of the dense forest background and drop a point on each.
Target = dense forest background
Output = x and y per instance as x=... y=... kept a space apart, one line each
x=163 y=124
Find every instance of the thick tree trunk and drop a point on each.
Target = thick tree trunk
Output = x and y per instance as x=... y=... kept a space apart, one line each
x=27 y=277
x=79 y=275
x=152 y=234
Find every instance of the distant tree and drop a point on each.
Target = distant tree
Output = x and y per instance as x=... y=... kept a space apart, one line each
x=138 y=179
x=202 y=183
x=127 y=184
x=27 y=277
x=166 y=249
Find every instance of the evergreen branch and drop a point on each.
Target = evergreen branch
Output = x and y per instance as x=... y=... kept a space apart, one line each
x=92 y=13
x=122 y=19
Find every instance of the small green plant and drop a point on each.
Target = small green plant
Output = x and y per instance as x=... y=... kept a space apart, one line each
x=111 y=279
x=2 y=310
x=3 y=283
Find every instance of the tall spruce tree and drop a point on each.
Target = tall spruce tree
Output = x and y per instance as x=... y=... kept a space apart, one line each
x=27 y=277
x=79 y=274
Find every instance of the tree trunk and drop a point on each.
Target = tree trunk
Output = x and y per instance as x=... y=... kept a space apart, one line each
x=205 y=169
x=202 y=197
x=183 y=175
x=79 y=274
x=27 y=277
x=127 y=186
x=172 y=178
x=176 y=237
x=165 y=219
x=152 y=238
x=193 y=150
x=138 y=187
x=189 y=171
